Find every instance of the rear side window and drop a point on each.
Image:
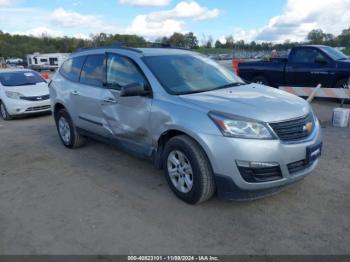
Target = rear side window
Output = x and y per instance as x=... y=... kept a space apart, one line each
x=72 y=67
x=93 y=70
x=305 y=55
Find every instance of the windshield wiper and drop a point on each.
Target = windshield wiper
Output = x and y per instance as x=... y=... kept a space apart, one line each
x=26 y=84
x=228 y=85
x=212 y=89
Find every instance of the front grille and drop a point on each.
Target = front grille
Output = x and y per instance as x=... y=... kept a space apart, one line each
x=297 y=166
x=259 y=175
x=294 y=130
x=37 y=108
x=36 y=98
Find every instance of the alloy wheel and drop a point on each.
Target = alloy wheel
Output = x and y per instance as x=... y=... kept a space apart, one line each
x=180 y=171
x=64 y=130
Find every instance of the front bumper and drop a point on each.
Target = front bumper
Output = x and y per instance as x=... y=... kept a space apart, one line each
x=223 y=152
x=22 y=107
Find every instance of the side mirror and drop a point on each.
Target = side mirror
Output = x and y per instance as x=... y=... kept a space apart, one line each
x=134 y=89
x=321 y=61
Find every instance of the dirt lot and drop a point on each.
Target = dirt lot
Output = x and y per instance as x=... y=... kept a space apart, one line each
x=100 y=200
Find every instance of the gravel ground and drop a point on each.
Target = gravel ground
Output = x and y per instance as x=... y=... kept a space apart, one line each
x=100 y=200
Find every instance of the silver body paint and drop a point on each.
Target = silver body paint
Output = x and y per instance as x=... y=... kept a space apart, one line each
x=141 y=121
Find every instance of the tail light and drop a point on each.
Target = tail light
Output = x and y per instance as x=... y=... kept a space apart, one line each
x=235 y=63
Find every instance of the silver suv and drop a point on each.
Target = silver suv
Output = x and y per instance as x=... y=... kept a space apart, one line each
x=209 y=130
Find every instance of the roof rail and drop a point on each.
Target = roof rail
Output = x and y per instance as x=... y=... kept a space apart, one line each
x=114 y=46
x=133 y=46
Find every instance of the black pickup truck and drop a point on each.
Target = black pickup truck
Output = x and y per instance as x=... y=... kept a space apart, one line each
x=306 y=66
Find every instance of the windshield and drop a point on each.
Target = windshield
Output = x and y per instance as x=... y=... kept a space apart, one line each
x=334 y=53
x=188 y=73
x=20 y=78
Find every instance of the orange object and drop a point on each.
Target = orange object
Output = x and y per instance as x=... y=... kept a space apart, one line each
x=45 y=76
x=235 y=63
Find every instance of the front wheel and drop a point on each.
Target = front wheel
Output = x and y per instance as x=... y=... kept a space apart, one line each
x=262 y=80
x=68 y=133
x=4 y=114
x=187 y=170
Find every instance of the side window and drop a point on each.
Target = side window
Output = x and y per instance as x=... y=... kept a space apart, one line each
x=320 y=57
x=93 y=70
x=305 y=56
x=121 y=71
x=72 y=67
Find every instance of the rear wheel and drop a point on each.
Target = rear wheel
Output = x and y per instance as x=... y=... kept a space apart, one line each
x=188 y=170
x=4 y=114
x=342 y=83
x=262 y=80
x=68 y=133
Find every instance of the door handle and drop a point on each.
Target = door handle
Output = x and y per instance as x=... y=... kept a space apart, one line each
x=74 y=92
x=110 y=100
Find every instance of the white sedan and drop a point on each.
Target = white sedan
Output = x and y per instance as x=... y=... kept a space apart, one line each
x=22 y=92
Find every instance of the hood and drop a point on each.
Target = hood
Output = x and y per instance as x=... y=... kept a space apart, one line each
x=40 y=89
x=253 y=101
x=344 y=63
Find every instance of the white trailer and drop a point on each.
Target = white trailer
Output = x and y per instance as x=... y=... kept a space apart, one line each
x=51 y=61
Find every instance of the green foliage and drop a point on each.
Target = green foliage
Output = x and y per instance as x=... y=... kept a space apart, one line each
x=21 y=45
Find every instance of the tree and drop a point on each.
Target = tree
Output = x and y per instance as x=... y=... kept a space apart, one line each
x=218 y=44
x=316 y=36
x=177 y=39
x=229 y=42
x=191 y=41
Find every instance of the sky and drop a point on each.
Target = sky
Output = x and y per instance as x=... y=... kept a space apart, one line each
x=258 y=20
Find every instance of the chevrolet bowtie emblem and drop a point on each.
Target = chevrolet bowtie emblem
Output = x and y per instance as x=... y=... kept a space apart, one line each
x=308 y=127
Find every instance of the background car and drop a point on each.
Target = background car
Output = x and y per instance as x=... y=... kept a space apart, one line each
x=22 y=92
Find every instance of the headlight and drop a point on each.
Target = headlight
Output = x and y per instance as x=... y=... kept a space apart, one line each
x=241 y=128
x=13 y=95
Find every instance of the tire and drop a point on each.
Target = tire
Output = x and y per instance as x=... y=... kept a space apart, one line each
x=261 y=80
x=342 y=83
x=4 y=114
x=67 y=132
x=203 y=185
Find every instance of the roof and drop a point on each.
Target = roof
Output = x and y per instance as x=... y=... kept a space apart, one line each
x=140 y=51
x=13 y=70
x=319 y=46
x=163 y=51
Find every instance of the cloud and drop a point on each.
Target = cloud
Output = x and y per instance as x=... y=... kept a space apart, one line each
x=43 y=30
x=166 y=22
x=299 y=18
x=8 y=3
x=186 y=10
x=149 y=28
x=70 y=19
x=145 y=2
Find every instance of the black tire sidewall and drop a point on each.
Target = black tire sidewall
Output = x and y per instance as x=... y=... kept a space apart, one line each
x=7 y=114
x=64 y=113
x=194 y=195
x=261 y=79
x=340 y=83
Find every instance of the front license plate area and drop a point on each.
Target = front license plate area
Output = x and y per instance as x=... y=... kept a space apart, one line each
x=313 y=153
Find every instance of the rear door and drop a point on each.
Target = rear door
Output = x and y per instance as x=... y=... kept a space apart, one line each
x=308 y=67
x=88 y=94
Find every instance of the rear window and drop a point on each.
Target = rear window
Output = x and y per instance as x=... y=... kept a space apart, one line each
x=72 y=67
x=20 y=78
